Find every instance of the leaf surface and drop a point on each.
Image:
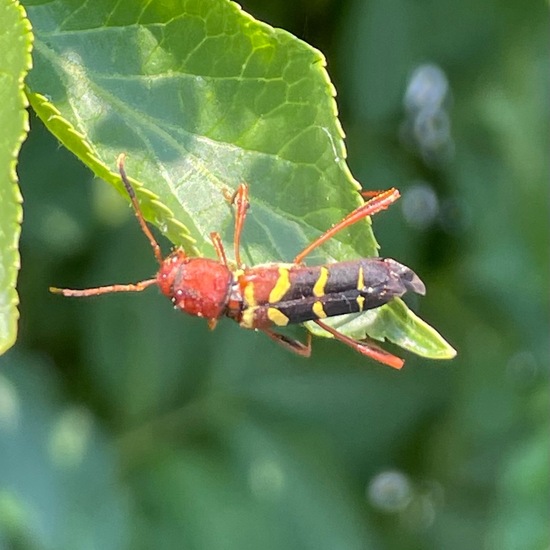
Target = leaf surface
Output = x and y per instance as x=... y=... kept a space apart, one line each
x=201 y=97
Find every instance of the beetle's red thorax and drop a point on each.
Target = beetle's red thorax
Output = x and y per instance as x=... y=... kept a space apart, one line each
x=198 y=286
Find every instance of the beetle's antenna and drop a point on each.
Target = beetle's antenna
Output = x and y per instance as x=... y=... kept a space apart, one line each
x=137 y=209
x=135 y=287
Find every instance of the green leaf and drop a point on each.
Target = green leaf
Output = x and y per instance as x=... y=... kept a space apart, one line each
x=201 y=97
x=15 y=61
x=396 y=322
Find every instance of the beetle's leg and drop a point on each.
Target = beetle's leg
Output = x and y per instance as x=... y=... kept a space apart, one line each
x=240 y=200
x=374 y=205
x=293 y=345
x=369 y=194
x=368 y=348
x=218 y=247
x=136 y=287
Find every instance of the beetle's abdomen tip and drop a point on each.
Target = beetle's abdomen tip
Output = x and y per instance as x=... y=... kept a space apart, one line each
x=414 y=283
x=411 y=281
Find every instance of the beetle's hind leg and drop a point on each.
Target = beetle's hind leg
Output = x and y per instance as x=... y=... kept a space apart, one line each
x=365 y=347
x=376 y=204
x=289 y=343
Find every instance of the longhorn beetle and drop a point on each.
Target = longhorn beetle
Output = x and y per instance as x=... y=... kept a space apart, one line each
x=277 y=294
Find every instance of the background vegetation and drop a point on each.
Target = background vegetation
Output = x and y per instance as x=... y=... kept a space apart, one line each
x=126 y=424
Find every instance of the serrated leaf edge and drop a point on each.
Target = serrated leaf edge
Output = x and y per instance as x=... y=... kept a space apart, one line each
x=322 y=64
x=13 y=178
x=50 y=115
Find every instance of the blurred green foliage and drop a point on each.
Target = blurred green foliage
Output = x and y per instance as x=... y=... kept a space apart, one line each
x=124 y=424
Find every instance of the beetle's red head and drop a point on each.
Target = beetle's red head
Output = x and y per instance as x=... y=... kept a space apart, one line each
x=198 y=286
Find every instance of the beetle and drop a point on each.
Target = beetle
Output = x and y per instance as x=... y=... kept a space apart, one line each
x=267 y=297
